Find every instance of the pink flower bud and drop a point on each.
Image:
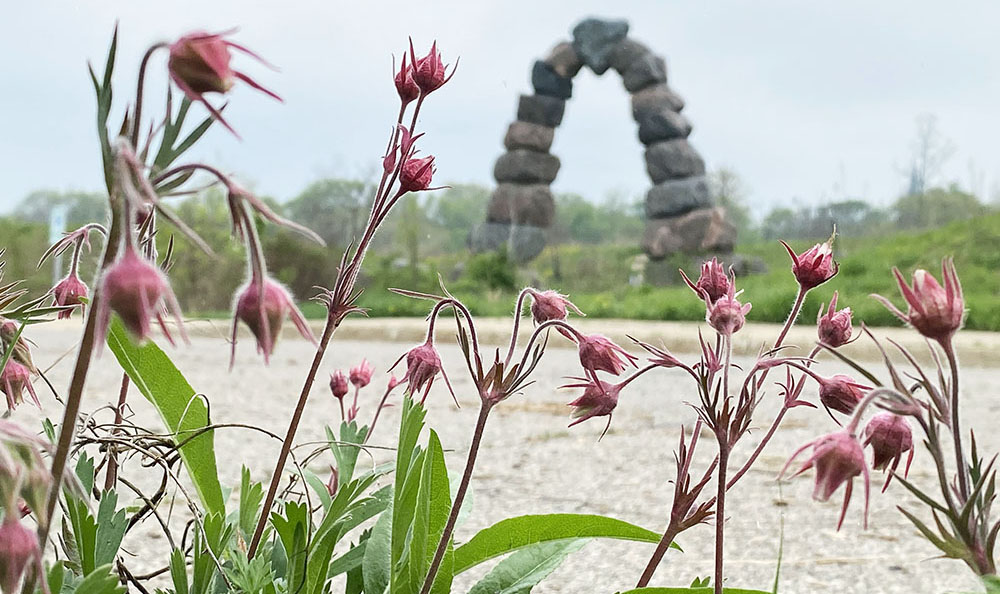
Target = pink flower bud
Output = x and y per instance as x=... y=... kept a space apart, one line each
x=265 y=316
x=68 y=292
x=814 y=266
x=841 y=393
x=429 y=72
x=361 y=375
x=837 y=458
x=597 y=353
x=405 y=87
x=726 y=315
x=416 y=174
x=136 y=290
x=18 y=548
x=596 y=400
x=936 y=312
x=713 y=281
x=14 y=380
x=338 y=384
x=333 y=483
x=550 y=305
x=422 y=365
x=890 y=437
x=199 y=64
x=834 y=327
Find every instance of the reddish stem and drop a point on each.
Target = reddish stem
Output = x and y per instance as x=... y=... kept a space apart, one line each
x=112 y=476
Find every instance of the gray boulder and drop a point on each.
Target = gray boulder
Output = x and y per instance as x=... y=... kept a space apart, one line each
x=625 y=53
x=525 y=135
x=526 y=242
x=645 y=71
x=539 y=109
x=564 y=60
x=653 y=99
x=702 y=230
x=547 y=82
x=677 y=197
x=522 y=204
x=673 y=159
x=488 y=237
x=594 y=39
x=663 y=125
x=526 y=167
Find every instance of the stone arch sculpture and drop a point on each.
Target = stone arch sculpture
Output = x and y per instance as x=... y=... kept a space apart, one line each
x=680 y=213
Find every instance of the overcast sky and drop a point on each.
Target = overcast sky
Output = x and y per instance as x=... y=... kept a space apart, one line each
x=807 y=101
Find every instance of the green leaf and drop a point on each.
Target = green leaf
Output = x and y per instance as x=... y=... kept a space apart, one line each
x=110 y=529
x=433 y=506
x=514 y=533
x=376 y=564
x=346 y=450
x=691 y=591
x=85 y=472
x=251 y=495
x=524 y=569
x=348 y=561
x=183 y=411
x=292 y=529
x=100 y=581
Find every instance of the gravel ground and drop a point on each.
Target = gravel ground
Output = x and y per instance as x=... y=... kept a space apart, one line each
x=532 y=463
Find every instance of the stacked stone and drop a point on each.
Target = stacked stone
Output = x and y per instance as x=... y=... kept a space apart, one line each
x=680 y=213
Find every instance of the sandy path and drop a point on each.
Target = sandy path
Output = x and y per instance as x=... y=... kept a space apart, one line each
x=531 y=463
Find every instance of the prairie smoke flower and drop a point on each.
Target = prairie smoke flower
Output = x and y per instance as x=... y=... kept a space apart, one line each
x=18 y=548
x=837 y=458
x=712 y=283
x=726 y=315
x=834 y=327
x=814 y=266
x=550 y=305
x=597 y=400
x=199 y=64
x=840 y=393
x=14 y=380
x=361 y=375
x=936 y=312
x=22 y=352
x=333 y=482
x=423 y=363
x=890 y=437
x=338 y=384
x=405 y=87
x=68 y=292
x=598 y=353
x=416 y=174
x=136 y=290
x=429 y=72
x=265 y=316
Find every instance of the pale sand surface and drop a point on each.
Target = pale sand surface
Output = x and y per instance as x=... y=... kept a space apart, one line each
x=531 y=463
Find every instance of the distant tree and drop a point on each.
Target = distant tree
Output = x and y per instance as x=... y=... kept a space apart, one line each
x=780 y=223
x=336 y=209
x=580 y=220
x=84 y=207
x=936 y=207
x=929 y=151
x=455 y=211
x=730 y=192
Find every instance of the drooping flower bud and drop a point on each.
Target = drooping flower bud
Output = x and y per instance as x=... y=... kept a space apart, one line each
x=550 y=305
x=712 y=283
x=814 y=266
x=726 y=315
x=598 y=353
x=338 y=384
x=837 y=458
x=18 y=548
x=890 y=437
x=416 y=174
x=361 y=374
x=405 y=86
x=68 y=292
x=840 y=393
x=14 y=380
x=136 y=290
x=429 y=72
x=936 y=312
x=423 y=363
x=9 y=329
x=199 y=64
x=263 y=306
x=596 y=400
x=834 y=327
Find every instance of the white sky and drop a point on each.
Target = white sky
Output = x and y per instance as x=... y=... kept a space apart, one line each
x=798 y=97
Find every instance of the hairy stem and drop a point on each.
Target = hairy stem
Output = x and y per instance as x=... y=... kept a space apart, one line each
x=449 y=527
x=956 y=427
x=332 y=321
x=673 y=529
x=720 y=511
x=112 y=475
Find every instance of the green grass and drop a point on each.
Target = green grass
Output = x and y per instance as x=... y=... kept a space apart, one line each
x=865 y=268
